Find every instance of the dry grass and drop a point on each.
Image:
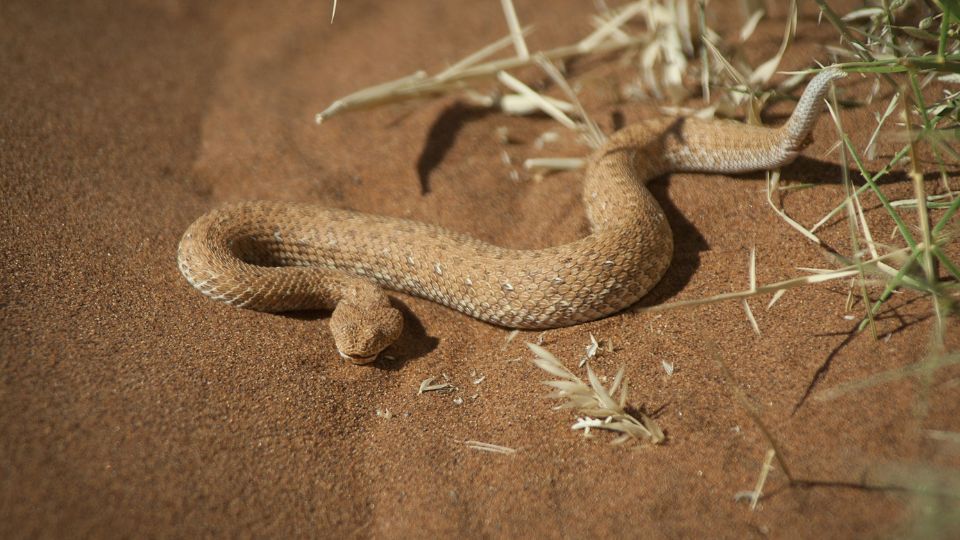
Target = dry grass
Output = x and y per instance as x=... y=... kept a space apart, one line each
x=427 y=385
x=599 y=407
x=754 y=495
x=488 y=447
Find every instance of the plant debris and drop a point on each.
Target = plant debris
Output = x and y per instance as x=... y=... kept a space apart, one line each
x=487 y=447
x=427 y=386
x=598 y=405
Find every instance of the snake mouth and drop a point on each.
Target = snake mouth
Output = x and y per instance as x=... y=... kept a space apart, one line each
x=359 y=360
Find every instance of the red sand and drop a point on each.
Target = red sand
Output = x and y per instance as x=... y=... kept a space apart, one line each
x=132 y=406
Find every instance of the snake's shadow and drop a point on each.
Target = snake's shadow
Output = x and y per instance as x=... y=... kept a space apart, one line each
x=443 y=133
x=412 y=344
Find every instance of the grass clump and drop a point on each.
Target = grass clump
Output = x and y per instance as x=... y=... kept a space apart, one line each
x=600 y=407
x=893 y=44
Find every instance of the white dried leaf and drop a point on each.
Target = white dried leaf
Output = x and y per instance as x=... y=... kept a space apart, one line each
x=586 y=423
x=667 y=366
x=751 y=25
x=553 y=164
x=426 y=386
x=570 y=387
x=543 y=353
x=601 y=392
x=617 y=379
x=621 y=439
x=520 y=105
x=552 y=368
x=592 y=349
x=545 y=138
x=863 y=13
x=776 y=297
x=765 y=71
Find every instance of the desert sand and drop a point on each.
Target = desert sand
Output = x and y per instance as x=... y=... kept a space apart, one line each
x=130 y=405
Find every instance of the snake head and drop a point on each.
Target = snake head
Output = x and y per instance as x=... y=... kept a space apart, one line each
x=362 y=332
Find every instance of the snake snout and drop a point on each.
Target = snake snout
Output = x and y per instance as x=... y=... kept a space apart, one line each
x=358 y=360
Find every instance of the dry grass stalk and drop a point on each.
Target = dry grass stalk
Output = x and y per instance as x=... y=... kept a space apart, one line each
x=754 y=495
x=753 y=288
x=547 y=165
x=952 y=437
x=590 y=130
x=524 y=104
x=743 y=84
x=598 y=405
x=516 y=35
x=875 y=266
x=488 y=447
x=542 y=102
x=773 y=182
x=923 y=368
x=420 y=84
x=665 y=45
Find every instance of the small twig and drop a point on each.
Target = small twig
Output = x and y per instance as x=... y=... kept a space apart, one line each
x=488 y=447
x=755 y=494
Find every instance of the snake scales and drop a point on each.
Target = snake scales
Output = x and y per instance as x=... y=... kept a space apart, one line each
x=271 y=256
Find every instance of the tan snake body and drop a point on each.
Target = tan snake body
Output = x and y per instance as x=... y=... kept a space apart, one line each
x=271 y=256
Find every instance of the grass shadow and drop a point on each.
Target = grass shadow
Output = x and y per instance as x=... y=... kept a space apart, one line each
x=443 y=132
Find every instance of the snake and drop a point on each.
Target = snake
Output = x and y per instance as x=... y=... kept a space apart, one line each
x=284 y=256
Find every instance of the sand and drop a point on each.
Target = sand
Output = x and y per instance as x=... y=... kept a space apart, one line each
x=130 y=405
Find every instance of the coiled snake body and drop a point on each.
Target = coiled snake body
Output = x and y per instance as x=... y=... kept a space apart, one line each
x=271 y=256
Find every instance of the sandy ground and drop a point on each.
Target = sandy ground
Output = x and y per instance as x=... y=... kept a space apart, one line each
x=130 y=405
